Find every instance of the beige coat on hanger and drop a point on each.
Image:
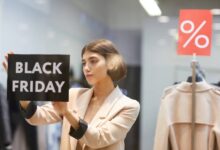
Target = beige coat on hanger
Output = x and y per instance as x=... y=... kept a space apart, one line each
x=108 y=128
x=173 y=130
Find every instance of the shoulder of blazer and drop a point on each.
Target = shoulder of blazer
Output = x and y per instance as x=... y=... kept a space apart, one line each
x=130 y=105
x=129 y=102
x=168 y=90
x=216 y=90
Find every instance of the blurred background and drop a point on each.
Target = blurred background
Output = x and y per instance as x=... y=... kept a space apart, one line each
x=147 y=41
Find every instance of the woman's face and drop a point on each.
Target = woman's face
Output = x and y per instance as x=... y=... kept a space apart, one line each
x=94 y=67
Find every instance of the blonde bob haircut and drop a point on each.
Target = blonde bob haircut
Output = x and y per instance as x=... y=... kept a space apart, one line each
x=117 y=69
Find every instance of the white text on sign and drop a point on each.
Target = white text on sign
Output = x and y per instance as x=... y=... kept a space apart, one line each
x=38 y=86
x=23 y=68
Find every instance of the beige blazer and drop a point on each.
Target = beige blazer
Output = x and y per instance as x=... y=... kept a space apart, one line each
x=173 y=130
x=108 y=128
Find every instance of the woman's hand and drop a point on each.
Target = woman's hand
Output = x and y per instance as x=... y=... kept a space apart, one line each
x=60 y=107
x=24 y=104
x=5 y=62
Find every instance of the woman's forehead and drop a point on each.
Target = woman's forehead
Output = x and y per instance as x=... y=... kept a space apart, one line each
x=89 y=55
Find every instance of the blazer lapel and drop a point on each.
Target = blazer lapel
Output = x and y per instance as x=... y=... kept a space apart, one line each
x=107 y=105
x=80 y=106
x=104 y=109
x=83 y=101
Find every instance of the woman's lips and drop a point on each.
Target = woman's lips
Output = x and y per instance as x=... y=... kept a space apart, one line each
x=89 y=75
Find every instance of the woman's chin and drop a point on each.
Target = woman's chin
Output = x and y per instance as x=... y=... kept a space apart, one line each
x=91 y=83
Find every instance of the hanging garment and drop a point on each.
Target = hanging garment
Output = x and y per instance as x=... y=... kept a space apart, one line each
x=53 y=136
x=5 y=128
x=19 y=140
x=173 y=130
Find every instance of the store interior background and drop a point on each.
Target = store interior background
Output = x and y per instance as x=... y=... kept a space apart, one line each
x=148 y=46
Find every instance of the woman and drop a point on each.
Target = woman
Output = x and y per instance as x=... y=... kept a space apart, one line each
x=96 y=118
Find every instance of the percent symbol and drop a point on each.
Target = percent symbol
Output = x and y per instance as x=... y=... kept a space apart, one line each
x=191 y=30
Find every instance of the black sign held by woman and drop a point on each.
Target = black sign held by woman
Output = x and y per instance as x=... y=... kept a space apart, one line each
x=38 y=77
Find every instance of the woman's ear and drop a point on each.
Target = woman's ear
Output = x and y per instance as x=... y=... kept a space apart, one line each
x=113 y=62
x=110 y=65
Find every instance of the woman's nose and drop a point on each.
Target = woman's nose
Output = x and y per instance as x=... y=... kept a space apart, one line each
x=87 y=67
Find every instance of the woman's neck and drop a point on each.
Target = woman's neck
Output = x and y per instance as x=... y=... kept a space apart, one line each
x=103 y=89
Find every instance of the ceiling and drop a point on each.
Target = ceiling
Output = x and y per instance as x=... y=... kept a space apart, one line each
x=172 y=7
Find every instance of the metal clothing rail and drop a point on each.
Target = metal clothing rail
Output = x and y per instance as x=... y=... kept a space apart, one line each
x=193 y=101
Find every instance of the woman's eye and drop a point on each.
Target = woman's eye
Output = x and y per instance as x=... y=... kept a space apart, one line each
x=93 y=61
x=83 y=63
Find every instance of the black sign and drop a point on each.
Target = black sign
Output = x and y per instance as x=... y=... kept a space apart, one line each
x=38 y=77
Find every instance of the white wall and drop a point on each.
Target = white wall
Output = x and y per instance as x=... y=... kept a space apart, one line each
x=128 y=43
x=95 y=8
x=161 y=67
x=125 y=14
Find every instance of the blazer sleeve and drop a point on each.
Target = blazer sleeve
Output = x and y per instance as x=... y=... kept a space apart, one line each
x=46 y=114
x=161 y=140
x=112 y=130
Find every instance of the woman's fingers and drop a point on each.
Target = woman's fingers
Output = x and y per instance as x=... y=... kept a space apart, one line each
x=6 y=55
x=5 y=66
x=11 y=52
x=5 y=63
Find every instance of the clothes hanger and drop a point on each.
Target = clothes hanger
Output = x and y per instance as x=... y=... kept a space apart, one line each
x=198 y=78
x=200 y=75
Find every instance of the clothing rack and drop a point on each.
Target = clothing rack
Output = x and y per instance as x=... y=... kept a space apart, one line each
x=193 y=65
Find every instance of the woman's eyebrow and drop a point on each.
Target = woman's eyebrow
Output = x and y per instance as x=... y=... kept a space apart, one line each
x=91 y=57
